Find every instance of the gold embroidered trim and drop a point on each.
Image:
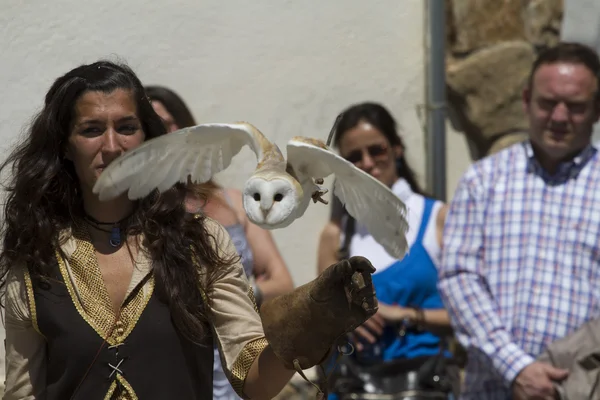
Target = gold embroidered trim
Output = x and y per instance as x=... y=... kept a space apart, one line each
x=93 y=303
x=89 y=282
x=127 y=386
x=253 y=299
x=243 y=362
x=134 y=309
x=31 y=301
x=129 y=393
x=65 y=274
x=203 y=295
x=94 y=306
x=111 y=390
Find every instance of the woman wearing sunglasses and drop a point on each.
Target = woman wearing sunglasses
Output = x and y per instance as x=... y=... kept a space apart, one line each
x=401 y=348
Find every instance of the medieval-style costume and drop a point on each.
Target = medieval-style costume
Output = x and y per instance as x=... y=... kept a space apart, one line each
x=64 y=341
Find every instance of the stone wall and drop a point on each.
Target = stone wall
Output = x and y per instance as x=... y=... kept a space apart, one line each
x=490 y=47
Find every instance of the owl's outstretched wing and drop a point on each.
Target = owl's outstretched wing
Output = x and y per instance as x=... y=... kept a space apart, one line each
x=366 y=199
x=199 y=151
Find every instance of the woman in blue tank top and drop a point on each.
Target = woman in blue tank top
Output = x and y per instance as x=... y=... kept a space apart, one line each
x=260 y=257
x=407 y=330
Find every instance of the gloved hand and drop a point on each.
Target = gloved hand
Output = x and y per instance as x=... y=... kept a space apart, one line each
x=302 y=326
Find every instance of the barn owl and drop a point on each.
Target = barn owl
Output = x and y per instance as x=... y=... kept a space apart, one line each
x=279 y=190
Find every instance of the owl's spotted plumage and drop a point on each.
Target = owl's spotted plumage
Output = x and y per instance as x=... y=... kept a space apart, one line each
x=278 y=192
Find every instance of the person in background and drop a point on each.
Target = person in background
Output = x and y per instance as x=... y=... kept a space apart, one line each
x=521 y=255
x=260 y=257
x=367 y=136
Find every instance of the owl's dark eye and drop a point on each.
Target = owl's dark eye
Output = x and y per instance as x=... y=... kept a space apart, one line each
x=278 y=197
x=257 y=196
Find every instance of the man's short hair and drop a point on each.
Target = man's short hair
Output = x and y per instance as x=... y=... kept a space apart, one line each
x=568 y=52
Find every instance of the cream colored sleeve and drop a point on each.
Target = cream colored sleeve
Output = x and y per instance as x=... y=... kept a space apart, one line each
x=236 y=322
x=25 y=346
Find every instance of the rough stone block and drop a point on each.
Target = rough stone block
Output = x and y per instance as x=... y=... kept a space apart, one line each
x=475 y=24
x=488 y=88
x=490 y=47
x=543 y=19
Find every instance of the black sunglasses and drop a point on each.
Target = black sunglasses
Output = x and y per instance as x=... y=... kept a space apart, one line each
x=375 y=150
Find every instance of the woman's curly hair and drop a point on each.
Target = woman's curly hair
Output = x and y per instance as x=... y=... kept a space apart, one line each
x=43 y=199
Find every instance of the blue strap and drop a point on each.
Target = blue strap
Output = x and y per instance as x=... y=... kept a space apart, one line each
x=429 y=203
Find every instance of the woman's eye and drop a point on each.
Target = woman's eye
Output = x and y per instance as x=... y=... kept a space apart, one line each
x=91 y=131
x=129 y=128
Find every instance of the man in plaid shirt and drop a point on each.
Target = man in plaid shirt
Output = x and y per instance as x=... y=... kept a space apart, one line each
x=521 y=257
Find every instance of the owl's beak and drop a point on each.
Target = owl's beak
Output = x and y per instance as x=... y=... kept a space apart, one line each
x=265 y=211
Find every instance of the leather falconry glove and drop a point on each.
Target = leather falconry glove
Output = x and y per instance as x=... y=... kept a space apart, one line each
x=303 y=326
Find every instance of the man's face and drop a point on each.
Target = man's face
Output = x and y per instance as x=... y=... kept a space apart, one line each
x=562 y=108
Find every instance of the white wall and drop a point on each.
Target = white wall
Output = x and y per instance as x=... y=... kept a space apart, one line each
x=581 y=23
x=288 y=67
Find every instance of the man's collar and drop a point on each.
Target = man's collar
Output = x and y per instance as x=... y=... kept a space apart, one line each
x=566 y=167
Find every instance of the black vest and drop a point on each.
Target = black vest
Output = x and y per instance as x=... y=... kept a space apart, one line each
x=155 y=360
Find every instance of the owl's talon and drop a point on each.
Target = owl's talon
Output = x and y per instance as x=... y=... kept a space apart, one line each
x=316 y=196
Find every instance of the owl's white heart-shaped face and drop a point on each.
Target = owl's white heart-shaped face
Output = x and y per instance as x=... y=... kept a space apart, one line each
x=270 y=203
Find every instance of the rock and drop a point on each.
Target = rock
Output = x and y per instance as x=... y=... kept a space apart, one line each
x=543 y=19
x=490 y=47
x=475 y=24
x=487 y=90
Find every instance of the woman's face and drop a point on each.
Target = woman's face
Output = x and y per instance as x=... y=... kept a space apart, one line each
x=105 y=125
x=368 y=149
x=165 y=115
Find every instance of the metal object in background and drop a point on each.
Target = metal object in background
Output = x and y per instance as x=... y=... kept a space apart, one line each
x=436 y=98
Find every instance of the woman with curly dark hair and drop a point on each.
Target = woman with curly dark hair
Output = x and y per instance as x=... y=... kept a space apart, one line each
x=124 y=299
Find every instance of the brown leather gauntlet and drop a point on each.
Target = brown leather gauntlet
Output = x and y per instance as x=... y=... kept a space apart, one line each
x=302 y=326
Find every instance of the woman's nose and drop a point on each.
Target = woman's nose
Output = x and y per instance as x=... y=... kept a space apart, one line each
x=367 y=161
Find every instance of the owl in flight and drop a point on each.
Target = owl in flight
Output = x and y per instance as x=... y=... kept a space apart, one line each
x=279 y=190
